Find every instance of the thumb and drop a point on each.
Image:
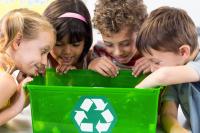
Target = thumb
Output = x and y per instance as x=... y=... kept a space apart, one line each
x=26 y=80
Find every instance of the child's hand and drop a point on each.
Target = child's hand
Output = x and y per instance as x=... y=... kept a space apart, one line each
x=154 y=67
x=64 y=68
x=142 y=65
x=20 y=77
x=19 y=99
x=104 y=66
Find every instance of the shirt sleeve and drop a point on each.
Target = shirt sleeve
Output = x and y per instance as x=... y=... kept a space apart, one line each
x=170 y=94
x=195 y=64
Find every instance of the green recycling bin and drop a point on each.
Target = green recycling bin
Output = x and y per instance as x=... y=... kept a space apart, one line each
x=83 y=101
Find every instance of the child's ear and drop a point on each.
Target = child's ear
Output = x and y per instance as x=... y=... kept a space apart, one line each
x=17 y=40
x=184 y=51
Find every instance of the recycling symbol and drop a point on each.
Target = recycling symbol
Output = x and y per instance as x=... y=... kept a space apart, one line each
x=94 y=115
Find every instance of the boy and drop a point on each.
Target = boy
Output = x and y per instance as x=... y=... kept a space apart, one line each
x=118 y=22
x=169 y=38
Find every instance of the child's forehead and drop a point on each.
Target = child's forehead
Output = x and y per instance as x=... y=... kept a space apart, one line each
x=118 y=37
x=44 y=39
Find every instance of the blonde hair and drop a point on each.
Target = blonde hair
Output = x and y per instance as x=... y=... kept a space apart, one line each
x=20 y=21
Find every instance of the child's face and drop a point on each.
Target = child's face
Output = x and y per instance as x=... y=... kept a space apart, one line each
x=31 y=55
x=67 y=54
x=165 y=58
x=121 y=46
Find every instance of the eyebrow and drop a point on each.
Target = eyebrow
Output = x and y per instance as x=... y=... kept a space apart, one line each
x=127 y=40
x=108 y=42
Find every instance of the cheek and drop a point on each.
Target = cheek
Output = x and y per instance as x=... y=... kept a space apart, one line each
x=129 y=49
x=78 y=51
x=23 y=57
x=56 y=51
x=109 y=49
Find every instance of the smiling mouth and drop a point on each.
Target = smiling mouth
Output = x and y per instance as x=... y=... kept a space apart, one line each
x=67 y=59
x=39 y=70
x=121 y=58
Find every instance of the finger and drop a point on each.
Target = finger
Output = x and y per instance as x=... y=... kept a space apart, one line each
x=114 y=70
x=72 y=68
x=69 y=68
x=138 y=70
x=106 y=69
x=141 y=64
x=154 y=67
x=147 y=70
x=140 y=60
x=64 y=68
x=58 y=68
x=102 y=72
x=25 y=81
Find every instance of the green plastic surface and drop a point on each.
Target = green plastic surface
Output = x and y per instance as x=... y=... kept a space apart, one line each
x=54 y=96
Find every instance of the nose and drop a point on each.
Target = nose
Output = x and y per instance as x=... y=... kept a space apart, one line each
x=67 y=49
x=117 y=51
x=44 y=60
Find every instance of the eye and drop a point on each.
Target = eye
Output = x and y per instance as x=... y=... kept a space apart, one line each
x=108 y=44
x=126 y=43
x=59 y=44
x=76 y=44
x=44 y=51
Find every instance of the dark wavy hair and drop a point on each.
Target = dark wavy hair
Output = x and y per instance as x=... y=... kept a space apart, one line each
x=76 y=29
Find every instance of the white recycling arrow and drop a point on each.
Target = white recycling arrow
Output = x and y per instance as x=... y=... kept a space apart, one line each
x=107 y=115
x=102 y=127
x=80 y=115
x=100 y=105
x=87 y=127
x=86 y=105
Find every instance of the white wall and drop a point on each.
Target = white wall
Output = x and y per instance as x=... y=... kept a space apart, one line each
x=191 y=6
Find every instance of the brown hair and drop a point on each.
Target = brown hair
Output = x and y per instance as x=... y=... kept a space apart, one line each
x=20 y=21
x=110 y=16
x=167 y=29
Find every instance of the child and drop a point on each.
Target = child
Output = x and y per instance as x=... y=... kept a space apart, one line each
x=169 y=37
x=118 y=22
x=22 y=47
x=71 y=19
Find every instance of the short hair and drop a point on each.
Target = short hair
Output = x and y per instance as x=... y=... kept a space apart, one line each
x=167 y=29
x=111 y=16
x=77 y=30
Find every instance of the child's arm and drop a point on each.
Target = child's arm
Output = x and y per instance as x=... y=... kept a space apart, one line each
x=8 y=87
x=17 y=103
x=169 y=76
x=169 y=118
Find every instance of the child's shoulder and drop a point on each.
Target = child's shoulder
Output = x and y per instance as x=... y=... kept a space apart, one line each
x=7 y=81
